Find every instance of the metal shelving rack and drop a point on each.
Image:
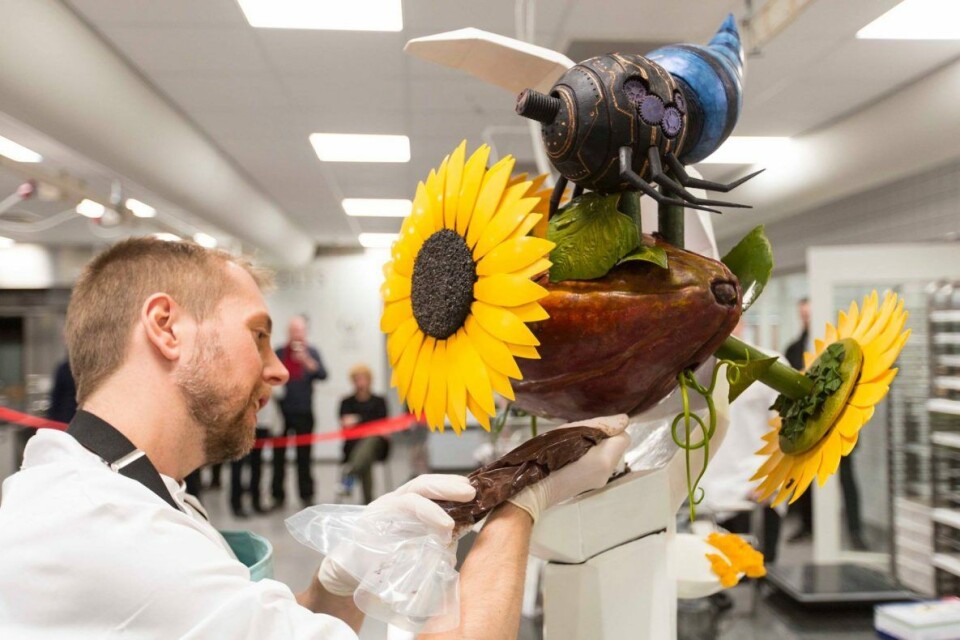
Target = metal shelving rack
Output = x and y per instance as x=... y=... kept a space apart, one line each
x=943 y=407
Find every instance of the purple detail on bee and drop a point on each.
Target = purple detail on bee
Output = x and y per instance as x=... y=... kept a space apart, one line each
x=635 y=90
x=672 y=122
x=680 y=101
x=651 y=110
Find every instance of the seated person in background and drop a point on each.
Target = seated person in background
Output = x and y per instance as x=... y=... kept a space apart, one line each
x=360 y=454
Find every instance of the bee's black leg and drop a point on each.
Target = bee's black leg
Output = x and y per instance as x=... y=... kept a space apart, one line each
x=657 y=175
x=558 y=190
x=689 y=181
x=628 y=174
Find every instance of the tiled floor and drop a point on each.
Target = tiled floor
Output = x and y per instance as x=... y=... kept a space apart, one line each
x=754 y=616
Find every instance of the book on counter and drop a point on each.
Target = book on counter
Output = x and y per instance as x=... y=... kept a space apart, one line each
x=927 y=620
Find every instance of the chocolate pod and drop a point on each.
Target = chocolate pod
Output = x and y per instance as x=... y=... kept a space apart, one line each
x=617 y=343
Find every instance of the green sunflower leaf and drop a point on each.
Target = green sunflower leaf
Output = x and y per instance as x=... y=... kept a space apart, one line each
x=647 y=253
x=752 y=262
x=591 y=237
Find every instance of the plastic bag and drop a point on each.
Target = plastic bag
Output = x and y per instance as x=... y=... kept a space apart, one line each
x=407 y=573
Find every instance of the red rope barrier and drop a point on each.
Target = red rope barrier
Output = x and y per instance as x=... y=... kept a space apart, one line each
x=365 y=430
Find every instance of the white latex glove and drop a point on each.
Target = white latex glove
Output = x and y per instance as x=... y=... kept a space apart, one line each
x=413 y=500
x=589 y=472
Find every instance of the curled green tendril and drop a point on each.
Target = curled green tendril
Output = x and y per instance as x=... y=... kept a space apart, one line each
x=686 y=381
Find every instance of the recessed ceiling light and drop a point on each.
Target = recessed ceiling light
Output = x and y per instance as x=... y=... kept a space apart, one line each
x=359 y=147
x=18 y=152
x=341 y=15
x=140 y=209
x=205 y=240
x=91 y=209
x=167 y=237
x=749 y=150
x=377 y=240
x=916 y=20
x=6 y=243
x=376 y=207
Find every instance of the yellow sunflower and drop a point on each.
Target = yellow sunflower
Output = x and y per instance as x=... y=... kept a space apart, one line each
x=458 y=290
x=867 y=342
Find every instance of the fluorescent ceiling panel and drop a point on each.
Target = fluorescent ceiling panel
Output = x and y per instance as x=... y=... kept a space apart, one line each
x=18 y=152
x=377 y=240
x=205 y=240
x=376 y=207
x=749 y=150
x=916 y=20
x=359 y=147
x=140 y=209
x=337 y=15
x=91 y=209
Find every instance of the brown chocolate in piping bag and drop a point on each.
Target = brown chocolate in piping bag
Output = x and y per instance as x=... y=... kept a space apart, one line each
x=529 y=463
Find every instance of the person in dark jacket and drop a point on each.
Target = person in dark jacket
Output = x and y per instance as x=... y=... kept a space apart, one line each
x=305 y=366
x=360 y=454
x=63 y=395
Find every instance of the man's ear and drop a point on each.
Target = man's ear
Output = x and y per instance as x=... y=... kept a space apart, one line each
x=161 y=318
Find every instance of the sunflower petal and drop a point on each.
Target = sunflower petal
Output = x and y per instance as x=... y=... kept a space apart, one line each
x=530 y=312
x=494 y=182
x=494 y=352
x=395 y=313
x=473 y=172
x=523 y=230
x=887 y=337
x=830 y=334
x=768 y=465
x=849 y=422
x=807 y=473
x=436 y=404
x=818 y=345
x=451 y=187
x=482 y=416
x=406 y=363
x=535 y=269
x=456 y=387
x=808 y=359
x=513 y=255
x=394 y=288
x=417 y=395
x=523 y=351
x=476 y=378
x=501 y=384
x=507 y=291
x=867 y=394
x=891 y=303
x=868 y=315
x=777 y=477
x=501 y=324
x=846 y=446
x=874 y=367
x=506 y=220
x=848 y=321
x=397 y=341
x=831 y=457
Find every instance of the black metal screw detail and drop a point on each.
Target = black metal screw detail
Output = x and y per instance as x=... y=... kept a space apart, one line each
x=538 y=106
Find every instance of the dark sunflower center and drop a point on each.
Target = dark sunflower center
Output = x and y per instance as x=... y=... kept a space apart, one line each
x=442 y=289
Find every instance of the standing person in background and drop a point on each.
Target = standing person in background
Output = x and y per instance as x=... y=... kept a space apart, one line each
x=359 y=455
x=803 y=507
x=305 y=366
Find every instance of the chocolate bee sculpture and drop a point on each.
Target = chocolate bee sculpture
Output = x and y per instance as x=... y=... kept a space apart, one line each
x=629 y=122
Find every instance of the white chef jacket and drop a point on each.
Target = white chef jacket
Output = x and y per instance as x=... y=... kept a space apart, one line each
x=726 y=483
x=88 y=553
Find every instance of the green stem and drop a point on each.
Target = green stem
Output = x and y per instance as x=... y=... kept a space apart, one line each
x=630 y=205
x=781 y=377
x=670 y=221
x=533 y=425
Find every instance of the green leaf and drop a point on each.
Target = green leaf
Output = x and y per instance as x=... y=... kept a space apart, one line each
x=647 y=253
x=752 y=262
x=750 y=372
x=591 y=237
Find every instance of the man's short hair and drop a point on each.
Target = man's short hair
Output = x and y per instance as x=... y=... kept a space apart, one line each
x=110 y=292
x=360 y=369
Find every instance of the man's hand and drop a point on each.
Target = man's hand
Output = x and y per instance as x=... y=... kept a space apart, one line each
x=589 y=472
x=412 y=500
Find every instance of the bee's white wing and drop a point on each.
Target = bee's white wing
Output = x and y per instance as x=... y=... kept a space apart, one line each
x=504 y=62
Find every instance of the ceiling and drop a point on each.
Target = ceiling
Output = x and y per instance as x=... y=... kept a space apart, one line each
x=257 y=94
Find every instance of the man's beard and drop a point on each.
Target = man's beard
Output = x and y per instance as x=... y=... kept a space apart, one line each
x=218 y=410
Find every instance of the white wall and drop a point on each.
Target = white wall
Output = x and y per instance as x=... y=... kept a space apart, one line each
x=341 y=296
